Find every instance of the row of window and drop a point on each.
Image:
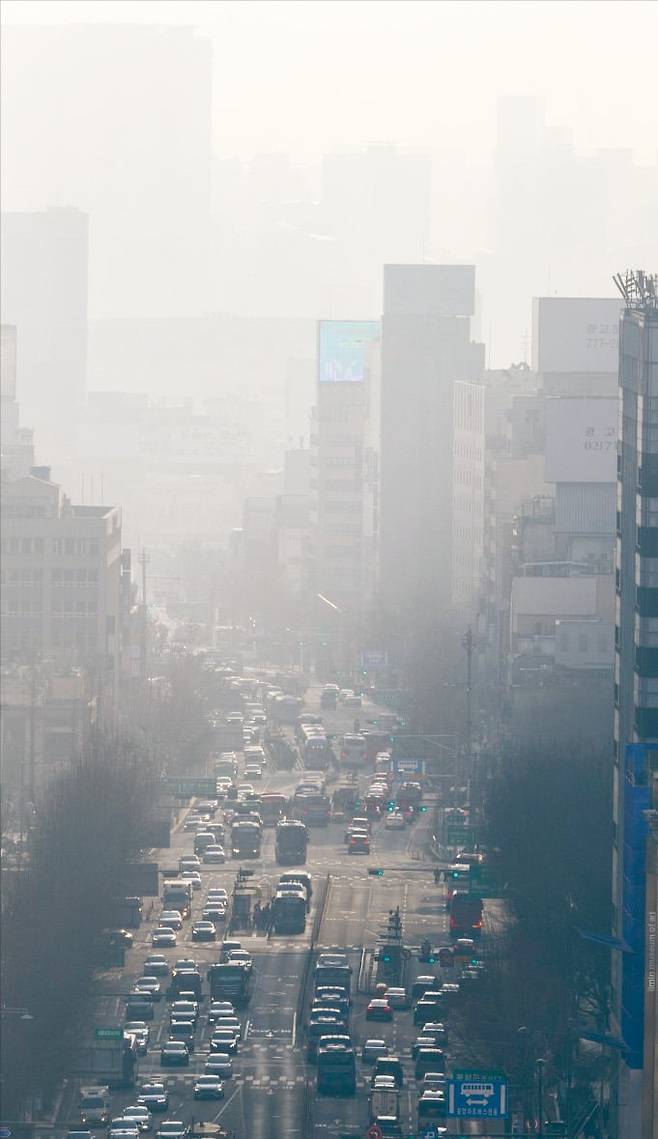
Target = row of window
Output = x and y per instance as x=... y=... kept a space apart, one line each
x=69 y=547
x=28 y=607
x=59 y=577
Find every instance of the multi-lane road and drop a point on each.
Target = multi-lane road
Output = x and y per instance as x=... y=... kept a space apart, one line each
x=272 y=1092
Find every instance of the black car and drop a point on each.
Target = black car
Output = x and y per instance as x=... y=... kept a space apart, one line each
x=175 y=1053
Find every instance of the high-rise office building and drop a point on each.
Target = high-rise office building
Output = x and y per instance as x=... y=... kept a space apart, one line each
x=636 y=678
x=347 y=363
x=16 y=443
x=426 y=349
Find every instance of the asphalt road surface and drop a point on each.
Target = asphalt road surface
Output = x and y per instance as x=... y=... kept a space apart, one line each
x=272 y=1092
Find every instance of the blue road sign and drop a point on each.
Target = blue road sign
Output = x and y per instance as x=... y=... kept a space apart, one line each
x=477 y=1095
x=5 y=1133
x=429 y=1132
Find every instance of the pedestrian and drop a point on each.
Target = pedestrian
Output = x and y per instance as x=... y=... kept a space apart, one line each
x=437 y=876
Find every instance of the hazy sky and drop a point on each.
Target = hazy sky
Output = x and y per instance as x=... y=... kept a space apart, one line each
x=306 y=77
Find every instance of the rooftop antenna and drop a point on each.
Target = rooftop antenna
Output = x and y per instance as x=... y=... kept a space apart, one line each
x=639 y=289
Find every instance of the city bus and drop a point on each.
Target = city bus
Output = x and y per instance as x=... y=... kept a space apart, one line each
x=465 y=915
x=336 y=1069
x=353 y=750
x=273 y=806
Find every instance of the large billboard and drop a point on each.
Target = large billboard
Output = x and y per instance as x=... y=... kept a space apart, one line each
x=581 y=440
x=344 y=348
x=575 y=334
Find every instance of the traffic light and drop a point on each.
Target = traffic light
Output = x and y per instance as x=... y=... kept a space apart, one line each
x=386 y=958
x=422 y=808
x=390 y=806
x=431 y=960
x=375 y=872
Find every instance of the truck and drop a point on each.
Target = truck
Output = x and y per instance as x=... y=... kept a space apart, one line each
x=177 y=895
x=384 y=1108
x=344 y=801
x=291 y=843
x=111 y=1064
x=230 y=982
x=336 y=1070
x=288 y=913
x=465 y=915
x=246 y=839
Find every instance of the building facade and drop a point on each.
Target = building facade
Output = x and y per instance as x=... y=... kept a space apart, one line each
x=636 y=675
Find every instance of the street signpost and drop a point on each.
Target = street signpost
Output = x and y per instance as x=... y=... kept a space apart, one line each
x=109 y=1034
x=374 y=1132
x=186 y=786
x=477 y=1095
x=460 y=834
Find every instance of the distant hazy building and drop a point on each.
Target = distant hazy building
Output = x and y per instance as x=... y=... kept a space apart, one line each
x=16 y=443
x=636 y=677
x=44 y=295
x=61 y=569
x=426 y=350
x=116 y=119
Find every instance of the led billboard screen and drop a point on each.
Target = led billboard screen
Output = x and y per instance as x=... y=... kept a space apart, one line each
x=581 y=440
x=344 y=349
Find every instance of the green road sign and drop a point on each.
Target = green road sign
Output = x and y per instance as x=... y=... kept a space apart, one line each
x=186 y=786
x=109 y=1034
x=460 y=834
x=479 y=1074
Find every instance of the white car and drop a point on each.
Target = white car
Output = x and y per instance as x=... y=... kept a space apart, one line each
x=124 y=1129
x=189 y=862
x=194 y=877
x=172 y=919
x=394 y=822
x=140 y=1114
x=254 y=771
x=163 y=936
x=214 y=854
x=218 y=894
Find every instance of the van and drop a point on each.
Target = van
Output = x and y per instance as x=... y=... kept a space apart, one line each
x=139 y=1010
x=389 y=1066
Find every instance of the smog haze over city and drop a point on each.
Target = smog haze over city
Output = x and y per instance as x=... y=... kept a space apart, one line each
x=329 y=601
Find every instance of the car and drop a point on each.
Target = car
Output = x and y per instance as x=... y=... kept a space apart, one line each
x=154 y=1095
x=424 y=984
x=141 y=1114
x=156 y=965
x=213 y=913
x=174 y=1052
x=435 y=1082
x=224 y=1040
x=163 y=936
x=172 y=1129
x=394 y=821
x=429 y=1060
x=218 y=1009
x=241 y=957
x=192 y=876
x=437 y=1031
x=173 y=919
x=140 y=1031
x=79 y=1135
x=207 y=806
x=184 y=964
x=359 y=844
x=218 y=893
x=397 y=998
x=254 y=771
x=373 y=1049
x=245 y=789
x=124 y=1129
x=214 y=854
x=352 y=701
x=425 y=1010
x=203 y=931
x=184 y=1009
x=228 y=944
x=219 y=1064
x=183 y=1030
x=433 y=1104
x=230 y=1020
x=208 y=1087
x=223 y=784
x=148 y=986
x=121 y=937
x=421 y=1042
x=379 y=1009
x=389 y=1066
x=192 y=822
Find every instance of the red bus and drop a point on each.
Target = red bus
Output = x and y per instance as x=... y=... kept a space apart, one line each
x=465 y=915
